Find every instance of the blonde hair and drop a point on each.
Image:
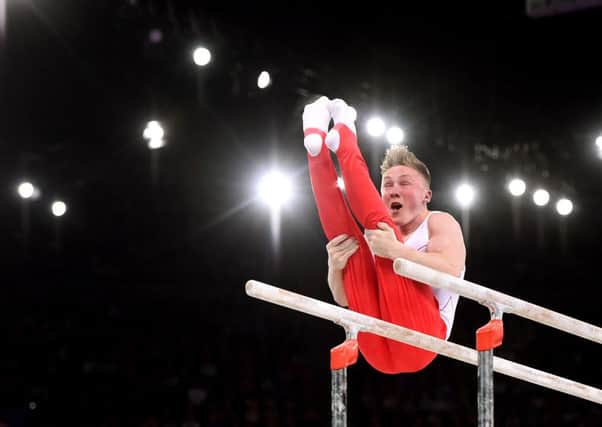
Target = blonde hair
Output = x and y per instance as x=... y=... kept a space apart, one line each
x=399 y=155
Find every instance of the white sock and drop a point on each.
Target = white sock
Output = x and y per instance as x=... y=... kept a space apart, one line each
x=313 y=144
x=343 y=113
x=333 y=140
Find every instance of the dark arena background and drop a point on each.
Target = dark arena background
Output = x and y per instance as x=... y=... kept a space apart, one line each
x=125 y=304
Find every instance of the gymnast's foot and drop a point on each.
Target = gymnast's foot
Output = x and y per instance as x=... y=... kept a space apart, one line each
x=342 y=114
x=316 y=118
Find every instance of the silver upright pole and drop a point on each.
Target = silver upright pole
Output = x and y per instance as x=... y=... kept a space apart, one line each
x=338 y=397
x=485 y=395
x=341 y=357
x=488 y=337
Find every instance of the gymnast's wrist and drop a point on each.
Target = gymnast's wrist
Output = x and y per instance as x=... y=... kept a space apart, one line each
x=398 y=250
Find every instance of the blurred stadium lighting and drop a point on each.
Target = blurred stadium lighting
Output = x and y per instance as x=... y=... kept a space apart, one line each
x=26 y=190
x=517 y=187
x=153 y=130
x=275 y=189
x=201 y=56
x=395 y=135
x=340 y=183
x=154 y=134
x=155 y=35
x=541 y=197
x=564 y=207
x=154 y=144
x=599 y=142
x=58 y=208
x=375 y=127
x=465 y=195
x=263 y=80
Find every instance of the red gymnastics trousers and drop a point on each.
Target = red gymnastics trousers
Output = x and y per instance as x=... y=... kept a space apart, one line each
x=371 y=285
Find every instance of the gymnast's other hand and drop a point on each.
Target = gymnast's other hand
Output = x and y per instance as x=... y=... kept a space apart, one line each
x=339 y=250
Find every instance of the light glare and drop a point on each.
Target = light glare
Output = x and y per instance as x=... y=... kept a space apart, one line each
x=517 y=187
x=395 y=135
x=201 y=56
x=26 y=190
x=599 y=142
x=263 y=80
x=154 y=144
x=465 y=195
x=59 y=208
x=340 y=183
x=153 y=130
x=275 y=189
x=375 y=127
x=564 y=207
x=541 y=197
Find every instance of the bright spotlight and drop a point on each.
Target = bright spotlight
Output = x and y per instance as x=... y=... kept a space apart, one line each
x=154 y=144
x=375 y=127
x=201 y=56
x=599 y=142
x=541 y=197
x=58 y=208
x=340 y=183
x=275 y=189
x=395 y=135
x=153 y=130
x=517 y=187
x=26 y=190
x=564 y=207
x=263 y=80
x=465 y=195
x=154 y=134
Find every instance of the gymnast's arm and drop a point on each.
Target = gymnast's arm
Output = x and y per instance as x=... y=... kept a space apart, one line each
x=339 y=250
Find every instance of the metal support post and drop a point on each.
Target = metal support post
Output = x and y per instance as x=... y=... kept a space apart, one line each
x=341 y=357
x=488 y=337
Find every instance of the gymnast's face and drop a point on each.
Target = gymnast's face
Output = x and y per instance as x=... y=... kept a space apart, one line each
x=405 y=193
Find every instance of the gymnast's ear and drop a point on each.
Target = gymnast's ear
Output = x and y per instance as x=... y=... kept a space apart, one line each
x=428 y=195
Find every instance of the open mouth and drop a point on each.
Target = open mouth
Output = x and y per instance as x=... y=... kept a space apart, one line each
x=396 y=206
